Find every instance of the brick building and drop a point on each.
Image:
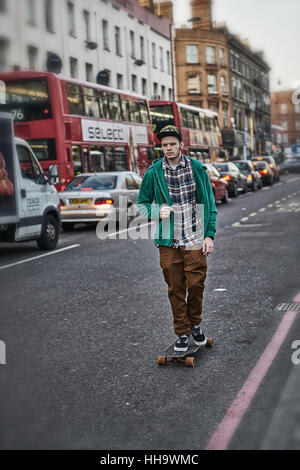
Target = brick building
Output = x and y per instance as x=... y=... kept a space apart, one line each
x=219 y=71
x=286 y=114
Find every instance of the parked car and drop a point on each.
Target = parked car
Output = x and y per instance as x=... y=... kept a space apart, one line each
x=237 y=182
x=218 y=184
x=291 y=165
x=265 y=171
x=253 y=176
x=275 y=168
x=91 y=197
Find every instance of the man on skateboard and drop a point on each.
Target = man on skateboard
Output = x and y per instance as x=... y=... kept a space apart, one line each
x=179 y=184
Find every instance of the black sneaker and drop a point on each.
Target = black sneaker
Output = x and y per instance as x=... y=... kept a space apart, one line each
x=182 y=344
x=198 y=335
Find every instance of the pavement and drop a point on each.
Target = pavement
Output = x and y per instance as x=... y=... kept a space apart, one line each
x=284 y=430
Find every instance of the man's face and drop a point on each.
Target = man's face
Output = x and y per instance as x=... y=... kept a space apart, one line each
x=171 y=147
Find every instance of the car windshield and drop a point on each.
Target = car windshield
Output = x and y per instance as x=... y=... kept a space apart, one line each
x=259 y=165
x=242 y=165
x=221 y=166
x=92 y=183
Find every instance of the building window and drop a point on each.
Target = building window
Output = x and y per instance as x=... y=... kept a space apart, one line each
x=30 y=12
x=105 y=35
x=222 y=56
x=3 y=53
x=144 y=87
x=285 y=139
x=132 y=44
x=212 y=84
x=163 y=92
x=225 y=115
x=210 y=55
x=297 y=125
x=49 y=15
x=89 y=72
x=134 y=82
x=119 y=81
x=153 y=55
x=169 y=63
x=161 y=59
x=191 y=54
x=71 y=19
x=223 y=85
x=32 y=57
x=193 y=84
x=283 y=108
x=284 y=125
x=142 y=48
x=87 y=25
x=73 y=67
x=170 y=94
x=3 y=6
x=155 y=89
x=118 y=40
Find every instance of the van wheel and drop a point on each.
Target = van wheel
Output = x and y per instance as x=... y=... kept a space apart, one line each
x=49 y=236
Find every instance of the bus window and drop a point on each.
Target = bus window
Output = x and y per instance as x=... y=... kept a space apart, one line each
x=115 y=107
x=184 y=121
x=197 y=121
x=44 y=149
x=134 y=110
x=144 y=113
x=212 y=124
x=75 y=100
x=216 y=121
x=91 y=102
x=190 y=120
x=202 y=121
x=104 y=105
x=161 y=116
x=109 y=155
x=77 y=162
x=27 y=100
x=97 y=158
x=125 y=110
x=120 y=159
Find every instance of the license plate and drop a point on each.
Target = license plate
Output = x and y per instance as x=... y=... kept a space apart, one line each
x=80 y=201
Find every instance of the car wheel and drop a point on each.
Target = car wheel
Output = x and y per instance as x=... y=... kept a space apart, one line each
x=49 y=234
x=67 y=227
x=226 y=197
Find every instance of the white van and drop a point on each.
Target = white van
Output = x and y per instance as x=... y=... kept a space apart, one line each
x=29 y=204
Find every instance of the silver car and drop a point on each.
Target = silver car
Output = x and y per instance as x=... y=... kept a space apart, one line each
x=94 y=197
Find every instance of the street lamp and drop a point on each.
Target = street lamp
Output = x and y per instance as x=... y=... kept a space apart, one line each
x=191 y=20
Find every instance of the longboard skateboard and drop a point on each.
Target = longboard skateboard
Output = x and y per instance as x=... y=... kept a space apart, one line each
x=170 y=355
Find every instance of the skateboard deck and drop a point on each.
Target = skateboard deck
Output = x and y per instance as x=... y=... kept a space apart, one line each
x=170 y=355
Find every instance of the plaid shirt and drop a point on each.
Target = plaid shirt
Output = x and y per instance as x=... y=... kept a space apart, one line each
x=182 y=189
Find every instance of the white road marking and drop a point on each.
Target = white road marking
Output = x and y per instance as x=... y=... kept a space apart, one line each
x=266 y=189
x=293 y=179
x=270 y=205
x=262 y=209
x=253 y=214
x=244 y=219
x=38 y=257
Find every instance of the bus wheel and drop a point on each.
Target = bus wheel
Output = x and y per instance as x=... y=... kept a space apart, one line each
x=49 y=235
x=67 y=227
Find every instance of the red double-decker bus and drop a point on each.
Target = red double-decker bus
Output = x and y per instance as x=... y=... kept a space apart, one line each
x=79 y=126
x=199 y=127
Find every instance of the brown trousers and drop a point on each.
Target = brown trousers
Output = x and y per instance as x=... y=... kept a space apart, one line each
x=185 y=273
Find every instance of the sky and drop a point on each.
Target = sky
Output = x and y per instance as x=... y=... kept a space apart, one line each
x=270 y=25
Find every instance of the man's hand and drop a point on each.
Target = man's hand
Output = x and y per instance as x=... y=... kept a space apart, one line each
x=208 y=246
x=165 y=212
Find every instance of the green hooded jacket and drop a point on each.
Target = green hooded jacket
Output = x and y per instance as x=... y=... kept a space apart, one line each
x=154 y=193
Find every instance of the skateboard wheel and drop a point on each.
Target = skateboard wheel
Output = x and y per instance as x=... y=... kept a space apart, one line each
x=209 y=342
x=190 y=361
x=162 y=360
